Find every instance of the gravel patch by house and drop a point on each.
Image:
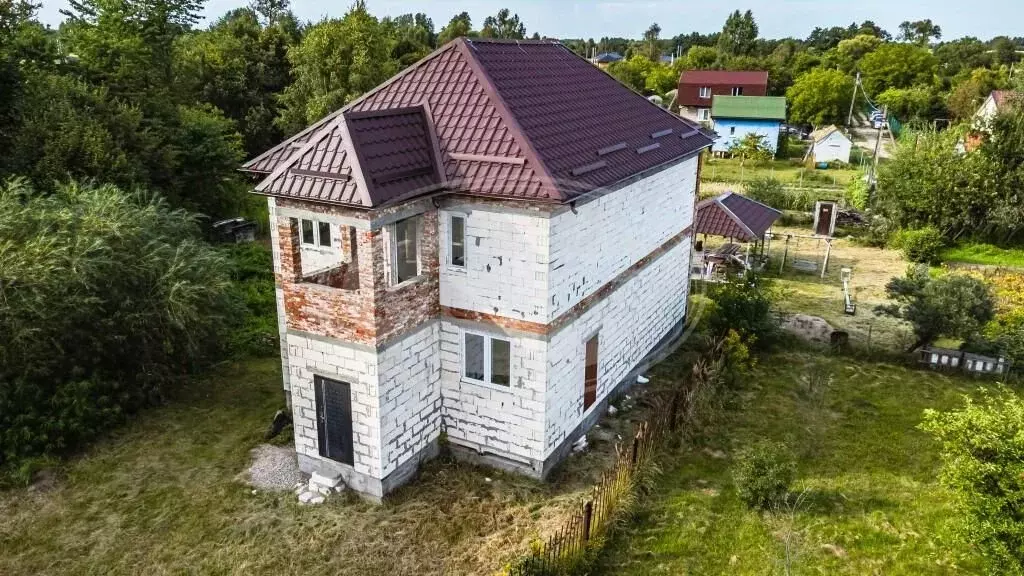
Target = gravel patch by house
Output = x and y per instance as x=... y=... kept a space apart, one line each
x=274 y=468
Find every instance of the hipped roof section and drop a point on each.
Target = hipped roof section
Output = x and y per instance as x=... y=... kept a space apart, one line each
x=528 y=120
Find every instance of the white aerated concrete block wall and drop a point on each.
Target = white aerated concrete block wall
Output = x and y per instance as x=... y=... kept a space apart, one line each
x=506 y=270
x=609 y=234
x=410 y=395
x=282 y=324
x=629 y=323
x=508 y=421
x=308 y=357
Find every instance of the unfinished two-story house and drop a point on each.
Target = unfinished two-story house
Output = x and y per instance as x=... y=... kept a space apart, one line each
x=481 y=249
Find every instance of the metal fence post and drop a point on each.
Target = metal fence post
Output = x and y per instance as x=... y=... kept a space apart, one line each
x=588 y=513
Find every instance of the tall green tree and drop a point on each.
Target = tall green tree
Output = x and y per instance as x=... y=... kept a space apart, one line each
x=738 y=35
x=337 y=61
x=820 y=97
x=897 y=66
x=504 y=24
x=413 y=37
x=461 y=25
x=920 y=32
x=652 y=42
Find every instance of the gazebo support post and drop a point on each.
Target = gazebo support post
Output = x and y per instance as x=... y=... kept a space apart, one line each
x=785 y=253
x=828 y=252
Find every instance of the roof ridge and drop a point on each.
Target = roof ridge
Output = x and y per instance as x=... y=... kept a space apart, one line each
x=326 y=119
x=464 y=46
x=732 y=214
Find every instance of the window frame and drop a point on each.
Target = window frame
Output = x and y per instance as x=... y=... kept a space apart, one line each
x=450 y=239
x=316 y=243
x=737 y=90
x=732 y=130
x=488 y=357
x=704 y=92
x=703 y=114
x=393 y=249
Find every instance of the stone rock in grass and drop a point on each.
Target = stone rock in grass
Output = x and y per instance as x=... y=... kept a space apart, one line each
x=642 y=380
x=612 y=410
x=580 y=444
x=810 y=328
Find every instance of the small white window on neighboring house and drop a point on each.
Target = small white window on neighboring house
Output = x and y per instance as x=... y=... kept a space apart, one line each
x=732 y=131
x=703 y=114
x=737 y=90
x=457 y=241
x=405 y=250
x=705 y=92
x=486 y=359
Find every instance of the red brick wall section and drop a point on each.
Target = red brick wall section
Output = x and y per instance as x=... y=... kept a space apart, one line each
x=398 y=309
x=344 y=314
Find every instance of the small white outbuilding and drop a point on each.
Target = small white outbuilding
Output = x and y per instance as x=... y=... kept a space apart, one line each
x=830 y=144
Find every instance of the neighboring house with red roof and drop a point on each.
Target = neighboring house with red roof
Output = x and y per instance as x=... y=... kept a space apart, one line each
x=467 y=249
x=697 y=89
x=993 y=104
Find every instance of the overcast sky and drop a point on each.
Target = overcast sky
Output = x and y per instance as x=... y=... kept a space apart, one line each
x=776 y=18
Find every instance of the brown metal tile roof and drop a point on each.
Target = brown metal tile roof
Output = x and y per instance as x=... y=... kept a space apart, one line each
x=731 y=77
x=735 y=216
x=525 y=120
x=363 y=158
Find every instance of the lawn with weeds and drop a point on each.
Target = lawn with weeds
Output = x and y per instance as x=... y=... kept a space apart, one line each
x=984 y=254
x=163 y=495
x=866 y=499
x=790 y=174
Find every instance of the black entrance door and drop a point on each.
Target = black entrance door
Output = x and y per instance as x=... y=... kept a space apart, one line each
x=825 y=219
x=334 y=419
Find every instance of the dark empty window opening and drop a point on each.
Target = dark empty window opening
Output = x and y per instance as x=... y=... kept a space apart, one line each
x=732 y=131
x=590 y=374
x=737 y=91
x=458 y=241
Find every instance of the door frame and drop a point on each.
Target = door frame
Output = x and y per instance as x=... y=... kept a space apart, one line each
x=346 y=453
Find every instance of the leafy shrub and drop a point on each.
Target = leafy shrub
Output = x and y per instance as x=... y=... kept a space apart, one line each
x=953 y=305
x=254 y=332
x=983 y=465
x=767 y=191
x=923 y=245
x=763 y=474
x=857 y=193
x=796 y=218
x=108 y=297
x=744 y=306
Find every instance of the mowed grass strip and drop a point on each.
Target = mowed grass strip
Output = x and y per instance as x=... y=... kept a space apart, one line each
x=872 y=504
x=162 y=496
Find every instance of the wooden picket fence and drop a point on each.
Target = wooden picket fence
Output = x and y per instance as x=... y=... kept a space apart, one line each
x=566 y=551
x=569 y=551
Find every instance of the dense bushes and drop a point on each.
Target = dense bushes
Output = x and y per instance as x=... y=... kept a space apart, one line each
x=254 y=333
x=773 y=193
x=763 y=474
x=744 y=306
x=108 y=297
x=983 y=466
x=923 y=245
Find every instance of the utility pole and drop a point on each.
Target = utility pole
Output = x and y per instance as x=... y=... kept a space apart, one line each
x=878 y=147
x=853 y=99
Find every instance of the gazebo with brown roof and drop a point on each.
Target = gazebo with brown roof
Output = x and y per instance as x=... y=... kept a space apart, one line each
x=736 y=217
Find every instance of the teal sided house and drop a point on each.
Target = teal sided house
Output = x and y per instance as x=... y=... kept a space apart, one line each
x=736 y=116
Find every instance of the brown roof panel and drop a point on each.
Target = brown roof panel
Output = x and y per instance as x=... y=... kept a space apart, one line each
x=397 y=152
x=735 y=216
x=731 y=77
x=570 y=111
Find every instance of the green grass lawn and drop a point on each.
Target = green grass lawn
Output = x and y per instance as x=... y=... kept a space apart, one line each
x=162 y=495
x=729 y=170
x=985 y=254
x=871 y=505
